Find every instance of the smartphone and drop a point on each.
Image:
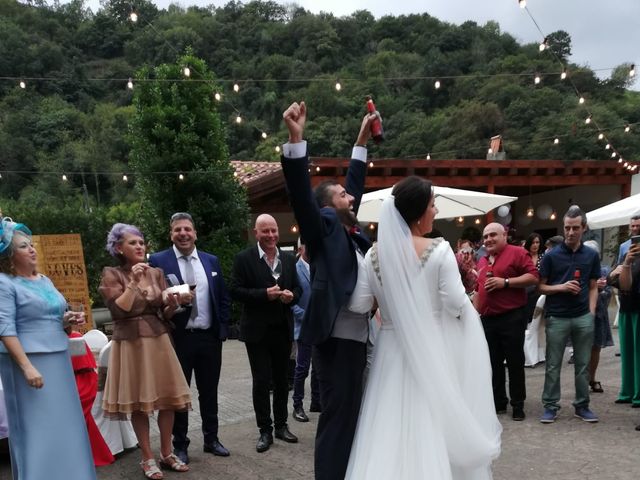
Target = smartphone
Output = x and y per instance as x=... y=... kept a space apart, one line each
x=635 y=239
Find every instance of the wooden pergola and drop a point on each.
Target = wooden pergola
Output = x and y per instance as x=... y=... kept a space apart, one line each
x=266 y=189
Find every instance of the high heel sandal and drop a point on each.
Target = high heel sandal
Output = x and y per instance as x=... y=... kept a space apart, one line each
x=596 y=387
x=172 y=462
x=151 y=470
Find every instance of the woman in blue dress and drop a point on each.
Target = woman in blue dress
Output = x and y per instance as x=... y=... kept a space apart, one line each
x=47 y=433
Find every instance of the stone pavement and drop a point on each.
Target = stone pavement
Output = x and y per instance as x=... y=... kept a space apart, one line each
x=568 y=450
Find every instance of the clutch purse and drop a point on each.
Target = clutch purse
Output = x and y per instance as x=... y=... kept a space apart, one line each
x=77 y=347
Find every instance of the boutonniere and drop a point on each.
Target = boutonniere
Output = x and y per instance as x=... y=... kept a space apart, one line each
x=355 y=230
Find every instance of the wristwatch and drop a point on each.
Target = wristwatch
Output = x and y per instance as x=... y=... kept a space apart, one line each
x=506 y=283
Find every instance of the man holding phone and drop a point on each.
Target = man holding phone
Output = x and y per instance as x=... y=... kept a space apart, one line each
x=634 y=231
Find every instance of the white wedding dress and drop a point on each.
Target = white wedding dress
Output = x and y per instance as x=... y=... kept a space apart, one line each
x=428 y=409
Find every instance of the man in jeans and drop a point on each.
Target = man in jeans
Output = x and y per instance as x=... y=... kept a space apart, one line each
x=568 y=276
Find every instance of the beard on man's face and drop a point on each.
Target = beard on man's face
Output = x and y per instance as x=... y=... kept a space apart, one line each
x=347 y=217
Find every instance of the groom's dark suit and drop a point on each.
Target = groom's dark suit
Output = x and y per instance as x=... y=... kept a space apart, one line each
x=199 y=351
x=334 y=271
x=266 y=328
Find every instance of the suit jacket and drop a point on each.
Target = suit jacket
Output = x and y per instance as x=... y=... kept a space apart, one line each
x=304 y=279
x=332 y=250
x=249 y=282
x=220 y=299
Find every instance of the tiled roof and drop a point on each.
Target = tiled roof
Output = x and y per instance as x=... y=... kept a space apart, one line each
x=250 y=172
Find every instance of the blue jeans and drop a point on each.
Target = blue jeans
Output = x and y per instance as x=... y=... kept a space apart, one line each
x=558 y=330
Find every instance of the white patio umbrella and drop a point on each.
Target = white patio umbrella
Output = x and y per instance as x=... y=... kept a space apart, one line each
x=615 y=214
x=451 y=202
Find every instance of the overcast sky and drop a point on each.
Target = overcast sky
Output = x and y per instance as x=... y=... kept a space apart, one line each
x=604 y=33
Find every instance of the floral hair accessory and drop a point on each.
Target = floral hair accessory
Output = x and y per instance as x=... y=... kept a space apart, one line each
x=7 y=229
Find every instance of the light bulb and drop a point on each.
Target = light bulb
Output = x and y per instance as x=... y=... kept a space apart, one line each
x=186 y=71
x=613 y=154
x=543 y=45
x=477 y=221
x=370 y=164
x=372 y=226
x=133 y=16
x=338 y=86
x=238 y=119
x=556 y=141
x=181 y=177
x=607 y=146
x=235 y=174
x=600 y=136
x=264 y=134
x=236 y=87
x=563 y=75
x=317 y=169
x=553 y=215
x=294 y=228
x=64 y=177
x=437 y=84
x=428 y=156
x=217 y=96
x=587 y=120
x=632 y=70
x=130 y=84
x=522 y=3
x=125 y=178
x=490 y=151
x=620 y=160
x=277 y=148
x=22 y=84
x=626 y=164
x=530 y=212
x=581 y=100
x=536 y=80
x=627 y=129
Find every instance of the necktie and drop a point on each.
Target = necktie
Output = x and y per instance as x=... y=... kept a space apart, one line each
x=190 y=278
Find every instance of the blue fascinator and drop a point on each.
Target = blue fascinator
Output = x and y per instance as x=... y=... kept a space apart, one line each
x=7 y=228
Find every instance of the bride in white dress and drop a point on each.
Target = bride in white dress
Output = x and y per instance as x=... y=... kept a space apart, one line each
x=428 y=410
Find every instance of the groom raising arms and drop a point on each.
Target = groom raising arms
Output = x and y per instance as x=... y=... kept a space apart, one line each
x=328 y=226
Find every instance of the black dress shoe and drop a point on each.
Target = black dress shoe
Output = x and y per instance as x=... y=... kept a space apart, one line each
x=264 y=442
x=299 y=415
x=283 y=433
x=216 y=448
x=315 y=407
x=518 y=414
x=181 y=454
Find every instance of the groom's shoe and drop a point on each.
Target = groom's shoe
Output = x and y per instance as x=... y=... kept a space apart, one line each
x=283 y=433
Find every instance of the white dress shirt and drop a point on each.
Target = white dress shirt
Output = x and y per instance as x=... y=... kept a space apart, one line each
x=202 y=297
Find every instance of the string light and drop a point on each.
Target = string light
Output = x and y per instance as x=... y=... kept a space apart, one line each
x=556 y=141
x=522 y=3
x=22 y=84
x=238 y=119
x=294 y=229
x=627 y=129
x=338 y=85
x=553 y=215
x=620 y=160
x=264 y=135
x=632 y=70
x=626 y=164
x=235 y=174
x=372 y=226
x=277 y=148
x=437 y=84
x=236 y=87
x=133 y=16
x=543 y=45
x=217 y=96
x=370 y=164
x=459 y=221
x=530 y=212
x=130 y=84
x=613 y=155
x=536 y=80
x=428 y=156
x=581 y=100
x=600 y=136
x=587 y=120
x=490 y=151
x=64 y=177
x=186 y=71
x=125 y=178
x=607 y=146
x=181 y=177
x=563 y=75
x=477 y=222
x=317 y=169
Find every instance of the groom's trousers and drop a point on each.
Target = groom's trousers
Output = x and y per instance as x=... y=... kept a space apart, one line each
x=340 y=364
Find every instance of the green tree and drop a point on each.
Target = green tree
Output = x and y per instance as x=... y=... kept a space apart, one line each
x=177 y=129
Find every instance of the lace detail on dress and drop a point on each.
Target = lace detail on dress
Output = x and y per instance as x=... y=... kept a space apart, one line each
x=375 y=262
x=44 y=289
x=429 y=250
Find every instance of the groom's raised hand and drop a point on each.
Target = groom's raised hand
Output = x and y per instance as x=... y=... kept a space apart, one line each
x=294 y=118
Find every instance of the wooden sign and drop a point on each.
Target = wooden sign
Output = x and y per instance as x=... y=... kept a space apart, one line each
x=60 y=257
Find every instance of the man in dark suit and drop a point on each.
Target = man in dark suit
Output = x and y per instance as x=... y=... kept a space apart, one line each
x=264 y=280
x=328 y=226
x=200 y=328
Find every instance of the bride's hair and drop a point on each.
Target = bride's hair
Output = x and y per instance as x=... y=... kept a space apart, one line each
x=412 y=196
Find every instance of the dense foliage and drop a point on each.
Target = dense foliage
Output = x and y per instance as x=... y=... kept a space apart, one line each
x=76 y=114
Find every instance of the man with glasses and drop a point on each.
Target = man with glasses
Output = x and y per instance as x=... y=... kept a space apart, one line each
x=199 y=330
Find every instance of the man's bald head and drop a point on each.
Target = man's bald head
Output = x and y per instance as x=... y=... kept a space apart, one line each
x=494 y=237
x=266 y=232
